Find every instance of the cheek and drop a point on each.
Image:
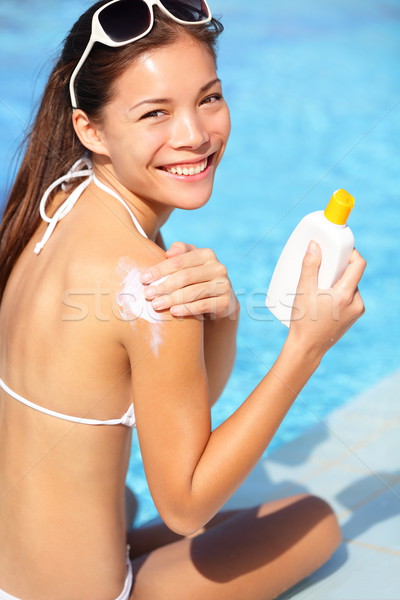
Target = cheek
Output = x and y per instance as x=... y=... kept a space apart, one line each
x=226 y=123
x=220 y=125
x=142 y=147
x=223 y=128
x=152 y=139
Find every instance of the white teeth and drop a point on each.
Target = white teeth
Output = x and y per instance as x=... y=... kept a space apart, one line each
x=188 y=171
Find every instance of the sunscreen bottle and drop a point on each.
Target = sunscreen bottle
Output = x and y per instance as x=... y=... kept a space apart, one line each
x=330 y=230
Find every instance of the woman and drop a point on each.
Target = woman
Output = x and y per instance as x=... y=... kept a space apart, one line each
x=95 y=315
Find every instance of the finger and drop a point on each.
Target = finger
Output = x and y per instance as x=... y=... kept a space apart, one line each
x=353 y=273
x=206 y=274
x=179 y=248
x=194 y=258
x=358 y=303
x=162 y=269
x=308 y=281
x=189 y=294
x=195 y=309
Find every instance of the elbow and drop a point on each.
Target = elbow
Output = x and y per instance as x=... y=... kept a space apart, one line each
x=180 y=529
x=183 y=524
x=183 y=510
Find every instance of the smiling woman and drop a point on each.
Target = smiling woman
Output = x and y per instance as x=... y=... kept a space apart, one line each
x=183 y=126
x=132 y=125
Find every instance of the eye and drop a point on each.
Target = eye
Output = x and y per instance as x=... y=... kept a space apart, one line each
x=153 y=114
x=211 y=99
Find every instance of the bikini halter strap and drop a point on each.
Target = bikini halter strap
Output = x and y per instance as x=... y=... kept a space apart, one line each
x=81 y=168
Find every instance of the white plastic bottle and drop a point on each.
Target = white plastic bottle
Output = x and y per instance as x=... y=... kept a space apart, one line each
x=329 y=229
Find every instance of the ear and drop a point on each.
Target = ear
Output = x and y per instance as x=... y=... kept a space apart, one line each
x=88 y=133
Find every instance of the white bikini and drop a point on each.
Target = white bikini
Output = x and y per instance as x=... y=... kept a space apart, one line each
x=127 y=419
x=82 y=168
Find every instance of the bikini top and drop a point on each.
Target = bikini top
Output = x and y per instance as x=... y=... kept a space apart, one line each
x=82 y=168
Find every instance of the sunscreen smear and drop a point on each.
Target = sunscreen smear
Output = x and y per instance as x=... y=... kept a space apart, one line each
x=330 y=230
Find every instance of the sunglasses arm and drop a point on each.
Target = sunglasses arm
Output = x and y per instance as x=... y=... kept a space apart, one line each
x=76 y=71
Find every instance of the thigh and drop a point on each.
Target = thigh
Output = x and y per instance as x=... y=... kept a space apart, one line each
x=255 y=554
x=144 y=540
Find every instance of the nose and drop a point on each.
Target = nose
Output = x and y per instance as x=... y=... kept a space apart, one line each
x=189 y=131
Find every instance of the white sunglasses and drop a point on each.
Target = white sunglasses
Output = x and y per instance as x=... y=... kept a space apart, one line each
x=121 y=22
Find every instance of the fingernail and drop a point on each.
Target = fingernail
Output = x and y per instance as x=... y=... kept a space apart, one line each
x=312 y=248
x=158 y=303
x=146 y=277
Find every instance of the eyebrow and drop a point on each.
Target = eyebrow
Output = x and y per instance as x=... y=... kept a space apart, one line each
x=202 y=90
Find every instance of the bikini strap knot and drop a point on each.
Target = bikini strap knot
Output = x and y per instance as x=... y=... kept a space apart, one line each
x=129 y=417
x=81 y=168
x=84 y=165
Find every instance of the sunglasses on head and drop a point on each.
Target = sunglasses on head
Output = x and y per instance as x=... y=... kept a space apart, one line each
x=121 y=22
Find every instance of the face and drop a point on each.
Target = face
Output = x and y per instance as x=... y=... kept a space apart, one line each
x=166 y=129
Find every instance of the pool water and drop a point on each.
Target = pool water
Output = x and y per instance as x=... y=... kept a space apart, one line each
x=315 y=101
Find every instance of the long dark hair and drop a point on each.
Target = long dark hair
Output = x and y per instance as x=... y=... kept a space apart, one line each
x=52 y=145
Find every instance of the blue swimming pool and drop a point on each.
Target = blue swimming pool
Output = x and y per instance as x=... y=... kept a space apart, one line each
x=315 y=101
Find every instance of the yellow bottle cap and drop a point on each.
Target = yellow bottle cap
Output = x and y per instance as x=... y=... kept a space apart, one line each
x=339 y=207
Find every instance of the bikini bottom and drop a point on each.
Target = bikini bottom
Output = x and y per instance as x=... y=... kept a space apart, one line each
x=124 y=595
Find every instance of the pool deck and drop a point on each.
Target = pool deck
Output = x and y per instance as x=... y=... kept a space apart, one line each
x=352 y=460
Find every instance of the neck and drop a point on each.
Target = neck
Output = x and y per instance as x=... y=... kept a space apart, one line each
x=150 y=215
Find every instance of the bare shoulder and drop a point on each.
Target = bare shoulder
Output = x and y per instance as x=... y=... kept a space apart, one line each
x=124 y=265
x=136 y=323
x=102 y=265
x=103 y=255
x=139 y=326
x=110 y=261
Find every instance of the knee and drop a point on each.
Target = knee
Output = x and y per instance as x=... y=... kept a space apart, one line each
x=326 y=521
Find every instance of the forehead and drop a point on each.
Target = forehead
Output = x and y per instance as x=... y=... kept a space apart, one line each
x=184 y=65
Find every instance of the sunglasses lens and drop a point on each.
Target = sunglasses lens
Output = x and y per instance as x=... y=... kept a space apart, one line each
x=191 y=11
x=125 y=20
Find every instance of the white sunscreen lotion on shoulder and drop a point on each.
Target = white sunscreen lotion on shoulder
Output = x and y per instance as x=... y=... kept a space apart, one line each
x=330 y=230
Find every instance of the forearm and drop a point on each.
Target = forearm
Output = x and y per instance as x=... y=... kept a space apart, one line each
x=203 y=468
x=220 y=350
x=235 y=446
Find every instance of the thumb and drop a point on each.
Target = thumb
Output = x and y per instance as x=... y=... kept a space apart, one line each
x=179 y=248
x=310 y=267
x=176 y=248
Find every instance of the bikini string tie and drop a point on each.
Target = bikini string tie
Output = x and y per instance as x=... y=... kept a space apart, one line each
x=129 y=417
x=81 y=168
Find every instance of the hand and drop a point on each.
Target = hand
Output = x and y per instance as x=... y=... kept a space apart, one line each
x=321 y=317
x=195 y=284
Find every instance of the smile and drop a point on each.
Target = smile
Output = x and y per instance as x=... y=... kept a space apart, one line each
x=188 y=169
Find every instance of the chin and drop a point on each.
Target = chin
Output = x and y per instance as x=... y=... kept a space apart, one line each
x=191 y=201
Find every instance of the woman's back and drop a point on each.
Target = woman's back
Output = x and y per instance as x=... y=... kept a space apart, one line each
x=60 y=350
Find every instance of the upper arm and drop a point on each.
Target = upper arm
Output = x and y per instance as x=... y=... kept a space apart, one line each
x=171 y=399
